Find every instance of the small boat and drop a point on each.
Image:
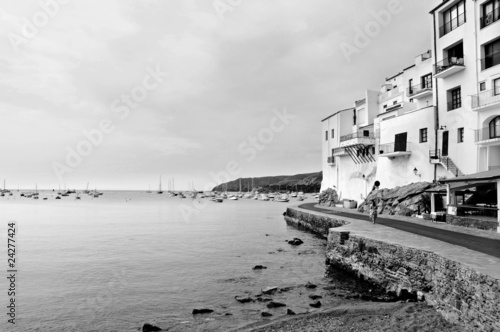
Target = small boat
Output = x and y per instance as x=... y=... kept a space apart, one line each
x=264 y=197
x=58 y=197
x=217 y=199
x=283 y=199
x=159 y=188
x=233 y=197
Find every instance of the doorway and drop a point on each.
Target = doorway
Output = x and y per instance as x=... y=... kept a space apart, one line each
x=445 y=144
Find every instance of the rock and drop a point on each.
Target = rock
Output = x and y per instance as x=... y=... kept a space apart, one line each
x=228 y=314
x=286 y=289
x=264 y=299
x=266 y=314
x=315 y=297
x=244 y=299
x=316 y=304
x=259 y=267
x=275 y=304
x=295 y=242
x=310 y=285
x=269 y=290
x=328 y=197
x=150 y=328
x=202 y=311
x=290 y=312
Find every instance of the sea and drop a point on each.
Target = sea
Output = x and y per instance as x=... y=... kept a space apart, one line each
x=127 y=258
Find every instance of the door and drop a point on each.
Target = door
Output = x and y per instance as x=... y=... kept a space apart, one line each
x=400 y=142
x=445 y=144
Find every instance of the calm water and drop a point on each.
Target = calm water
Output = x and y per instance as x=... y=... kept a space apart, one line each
x=127 y=258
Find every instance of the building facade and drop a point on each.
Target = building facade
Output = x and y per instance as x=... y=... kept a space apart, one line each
x=439 y=118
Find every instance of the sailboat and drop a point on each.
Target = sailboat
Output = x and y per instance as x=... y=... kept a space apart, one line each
x=240 y=194
x=159 y=189
x=35 y=195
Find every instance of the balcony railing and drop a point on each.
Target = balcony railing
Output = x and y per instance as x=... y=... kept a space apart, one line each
x=359 y=134
x=394 y=147
x=331 y=160
x=339 y=152
x=490 y=18
x=452 y=25
x=448 y=63
x=389 y=94
x=487 y=133
x=453 y=105
x=485 y=98
x=490 y=60
x=419 y=88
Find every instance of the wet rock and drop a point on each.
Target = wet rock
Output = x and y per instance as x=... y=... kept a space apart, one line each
x=266 y=314
x=310 y=285
x=259 y=267
x=150 y=328
x=202 y=311
x=286 y=289
x=244 y=299
x=295 y=242
x=315 y=297
x=269 y=290
x=264 y=299
x=290 y=312
x=275 y=304
x=316 y=304
x=228 y=314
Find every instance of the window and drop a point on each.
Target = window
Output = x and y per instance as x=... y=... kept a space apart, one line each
x=455 y=99
x=491 y=54
x=326 y=135
x=423 y=135
x=495 y=127
x=426 y=81
x=453 y=18
x=496 y=87
x=490 y=13
x=460 y=135
x=411 y=100
x=482 y=86
x=456 y=54
x=333 y=133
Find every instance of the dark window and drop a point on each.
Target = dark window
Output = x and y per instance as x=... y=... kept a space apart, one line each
x=496 y=87
x=427 y=81
x=495 y=127
x=411 y=100
x=455 y=54
x=326 y=135
x=333 y=133
x=423 y=135
x=333 y=151
x=410 y=84
x=491 y=54
x=453 y=18
x=455 y=99
x=490 y=13
x=366 y=133
x=460 y=135
x=482 y=86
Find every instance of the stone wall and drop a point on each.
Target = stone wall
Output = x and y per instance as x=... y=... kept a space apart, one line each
x=490 y=225
x=459 y=293
x=319 y=225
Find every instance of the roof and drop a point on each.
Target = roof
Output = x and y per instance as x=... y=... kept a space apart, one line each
x=481 y=176
x=347 y=109
x=439 y=6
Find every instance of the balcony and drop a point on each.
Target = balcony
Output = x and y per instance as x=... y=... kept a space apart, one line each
x=486 y=100
x=363 y=137
x=331 y=161
x=452 y=25
x=490 y=60
x=393 y=150
x=339 y=152
x=389 y=95
x=448 y=67
x=420 y=91
x=490 y=18
x=487 y=136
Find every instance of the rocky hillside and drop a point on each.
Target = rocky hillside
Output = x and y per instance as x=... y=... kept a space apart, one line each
x=310 y=182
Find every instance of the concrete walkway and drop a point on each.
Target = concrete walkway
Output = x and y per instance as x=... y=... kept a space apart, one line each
x=477 y=249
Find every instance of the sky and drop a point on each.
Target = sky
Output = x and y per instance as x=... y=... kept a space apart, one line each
x=117 y=93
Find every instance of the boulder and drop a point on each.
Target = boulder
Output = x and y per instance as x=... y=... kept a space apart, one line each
x=295 y=242
x=290 y=312
x=202 y=311
x=269 y=290
x=244 y=299
x=310 y=285
x=275 y=304
x=266 y=314
x=150 y=328
x=316 y=304
x=259 y=267
x=328 y=197
x=315 y=297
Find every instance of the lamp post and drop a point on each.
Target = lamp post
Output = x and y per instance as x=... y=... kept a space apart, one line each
x=415 y=171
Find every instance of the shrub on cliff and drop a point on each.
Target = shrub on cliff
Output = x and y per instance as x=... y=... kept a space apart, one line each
x=328 y=197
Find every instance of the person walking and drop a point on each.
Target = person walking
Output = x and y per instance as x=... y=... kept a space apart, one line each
x=373 y=212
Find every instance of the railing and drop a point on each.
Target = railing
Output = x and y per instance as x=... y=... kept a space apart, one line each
x=452 y=25
x=446 y=162
x=448 y=63
x=485 y=98
x=339 y=151
x=389 y=94
x=331 y=160
x=416 y=89
x=426 y=56
x=391 y=147
x=435 y=154
x=490 y=18
x=453 y=105
x=487 y=133
x=490 y=60
x=359 y=134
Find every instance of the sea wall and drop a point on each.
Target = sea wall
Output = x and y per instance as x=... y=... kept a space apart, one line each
x=489 y=225
x=461 y=294
x=317 y=224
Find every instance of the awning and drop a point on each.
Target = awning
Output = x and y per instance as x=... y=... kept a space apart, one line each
x=483 y=177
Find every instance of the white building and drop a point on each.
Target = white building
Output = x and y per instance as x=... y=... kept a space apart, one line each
x=439 y=118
